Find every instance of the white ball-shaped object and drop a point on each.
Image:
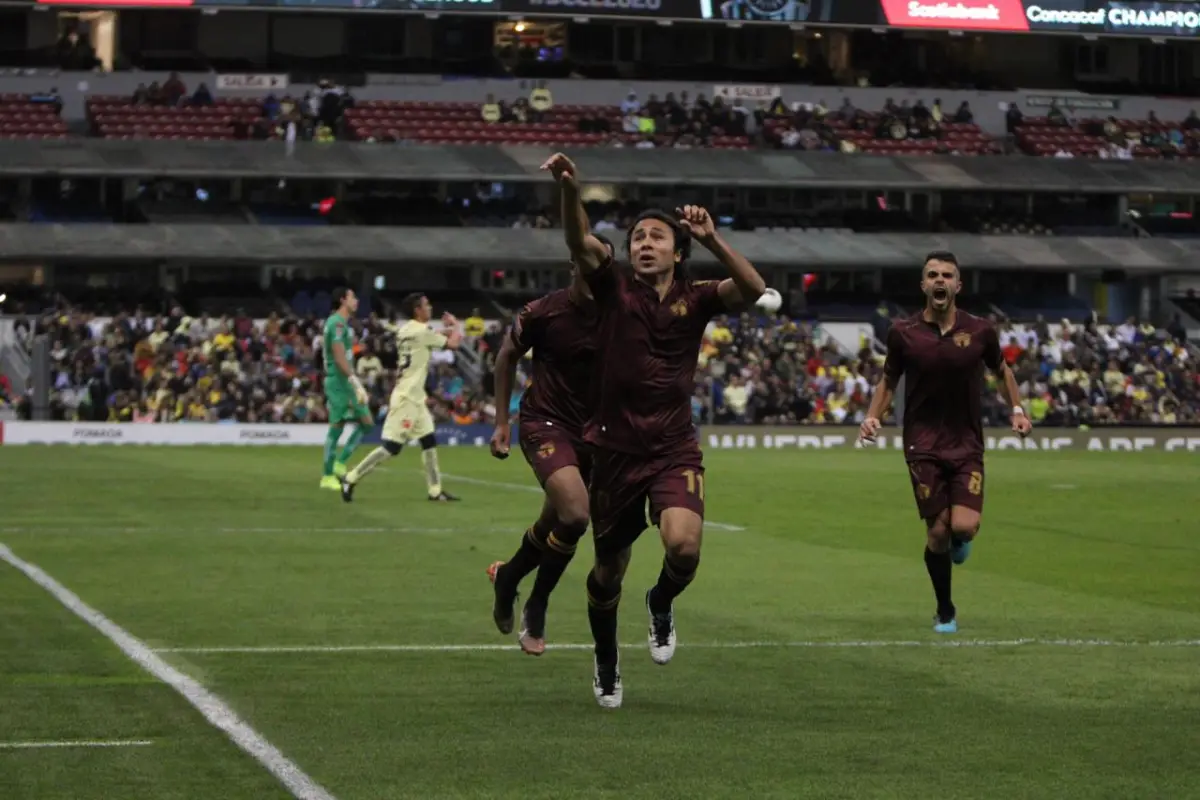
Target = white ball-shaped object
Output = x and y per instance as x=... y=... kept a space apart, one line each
x=770 y=301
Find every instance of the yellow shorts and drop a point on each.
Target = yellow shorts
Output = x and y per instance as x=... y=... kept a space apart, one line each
x=406 y=422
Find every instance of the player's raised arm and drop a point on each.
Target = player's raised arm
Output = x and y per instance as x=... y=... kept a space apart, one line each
x=453 y=337
x=885 y=390
x=587 y=252
x=994 y=358
x=744 y=286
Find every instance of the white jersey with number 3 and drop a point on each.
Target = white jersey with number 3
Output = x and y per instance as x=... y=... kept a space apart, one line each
x=415 y=343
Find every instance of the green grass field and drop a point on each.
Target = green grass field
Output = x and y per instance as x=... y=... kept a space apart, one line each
x=1081 y=598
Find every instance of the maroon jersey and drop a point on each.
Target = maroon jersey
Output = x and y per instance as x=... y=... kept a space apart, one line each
x=562 y=335
x=943 y=384
x=650 y=347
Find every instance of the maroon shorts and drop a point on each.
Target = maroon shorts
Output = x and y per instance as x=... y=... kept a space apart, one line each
x=623 y=484
x=549 y=447
x=938 y=485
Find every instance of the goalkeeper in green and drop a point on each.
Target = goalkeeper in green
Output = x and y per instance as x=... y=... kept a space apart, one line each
x=345 y=396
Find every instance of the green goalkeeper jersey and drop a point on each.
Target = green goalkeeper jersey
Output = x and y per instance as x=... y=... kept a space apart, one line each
x=337 y=329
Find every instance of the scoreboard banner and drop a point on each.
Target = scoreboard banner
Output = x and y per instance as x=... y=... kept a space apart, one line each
x=1111 y=17
x=1166 y=19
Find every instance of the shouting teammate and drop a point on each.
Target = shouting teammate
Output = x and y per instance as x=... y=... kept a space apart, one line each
x=345 y=396
x=408 y=417
x=652 y=321
x=941 y=352
x=560 y=328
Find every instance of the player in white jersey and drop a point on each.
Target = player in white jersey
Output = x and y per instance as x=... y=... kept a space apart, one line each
x=408 y=417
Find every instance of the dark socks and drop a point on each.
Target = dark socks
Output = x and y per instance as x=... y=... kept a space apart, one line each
x=940 y=567
x=528 y=555
x=602 y=616
x=560 y=549
x=675 y=576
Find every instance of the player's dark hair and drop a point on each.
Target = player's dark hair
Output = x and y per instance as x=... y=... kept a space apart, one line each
x=411 y=303
x=941 y=255
x=683 y=239
x=339 y=296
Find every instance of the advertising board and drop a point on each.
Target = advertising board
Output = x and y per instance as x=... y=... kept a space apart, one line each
x=730 y=437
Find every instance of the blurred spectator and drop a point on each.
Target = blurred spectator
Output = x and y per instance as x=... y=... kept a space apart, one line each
x=491 y=110
x=474 y=325
x=173 y=90
x=202 y=97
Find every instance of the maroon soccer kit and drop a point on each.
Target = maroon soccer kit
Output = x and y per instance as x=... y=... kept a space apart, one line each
x=646 y=444
x=943 y=418
x=562 y=334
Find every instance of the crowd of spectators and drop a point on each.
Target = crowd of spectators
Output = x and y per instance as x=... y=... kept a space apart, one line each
x=1089 y=374
x=174 y=368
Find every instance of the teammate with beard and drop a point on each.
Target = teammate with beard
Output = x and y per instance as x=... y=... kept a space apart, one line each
x=560 y=329
x=941 y=352
x=652 y=321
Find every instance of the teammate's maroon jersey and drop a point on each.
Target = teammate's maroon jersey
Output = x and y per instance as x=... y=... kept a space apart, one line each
x=562 y=335
x=943 y=383
x=649 y=349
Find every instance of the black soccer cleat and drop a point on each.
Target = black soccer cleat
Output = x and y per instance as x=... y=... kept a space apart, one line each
x=347 y=491
x=444 y=497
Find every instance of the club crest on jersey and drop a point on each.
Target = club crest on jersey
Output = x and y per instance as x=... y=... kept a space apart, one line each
x=962 y=339
x=679 y=308
x=546 y=450
x=923 y=491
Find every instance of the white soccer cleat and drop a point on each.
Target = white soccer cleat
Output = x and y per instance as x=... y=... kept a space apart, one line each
x=606 y=683
x=662 y=634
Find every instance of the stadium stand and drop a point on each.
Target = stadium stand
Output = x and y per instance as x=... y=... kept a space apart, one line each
x=31 y=117
x=136 y=367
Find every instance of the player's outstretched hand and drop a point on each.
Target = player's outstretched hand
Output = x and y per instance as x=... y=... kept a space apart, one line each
x=500 y=441
x=562 y=168
x=868 y=430
x=449 y=320
x=698 y=222
x=1021 y=425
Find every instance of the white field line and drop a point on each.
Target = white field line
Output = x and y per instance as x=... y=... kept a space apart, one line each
x=80 y=743
x=815 y=644
x=521 y=487
x=213 y=708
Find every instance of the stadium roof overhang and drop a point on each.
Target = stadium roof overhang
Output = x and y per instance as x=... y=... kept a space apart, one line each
x=734 y=168
x=503 y=247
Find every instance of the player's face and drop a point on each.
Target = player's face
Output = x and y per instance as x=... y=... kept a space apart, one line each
x=940 y=284
x=352 y=302
x=424 y=311
x=652 y=248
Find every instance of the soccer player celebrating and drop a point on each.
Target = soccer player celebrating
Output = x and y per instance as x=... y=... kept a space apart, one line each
x=652 y=321
x=345 y=396
x=941 y=352
x=408 y=417
x=561 y=330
